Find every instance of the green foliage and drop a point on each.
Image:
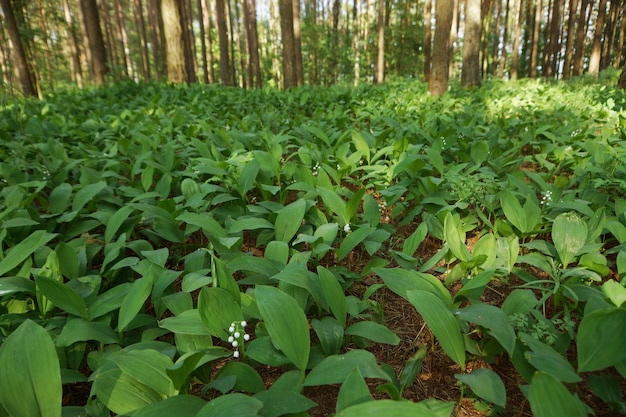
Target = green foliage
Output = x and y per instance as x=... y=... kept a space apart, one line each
x=151 y=234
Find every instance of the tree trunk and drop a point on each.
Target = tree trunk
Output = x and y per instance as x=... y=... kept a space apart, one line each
x=596 y=49
x=620 y=44
x=140 y=23
x=355 y=41
x=122 y=37
x=622 y=79
x=569 y=44
x=110 y=43
x=77 y=72
x=579 y=45
x=428 y=15
x=174 y=49
x=154 y=17
x=470 y=75
x=519 y=12
x=534 y=55
x=297 y=36
x=438 y=82
x=22 y=66
x=254 y=67
x=380 y=61
x=207 y=51
x=222 y=30
x=551 y=68
x=96 y=41
x=288 y=42
x=189 y=43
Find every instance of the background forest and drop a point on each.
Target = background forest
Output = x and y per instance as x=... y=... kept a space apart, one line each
x=46 y=44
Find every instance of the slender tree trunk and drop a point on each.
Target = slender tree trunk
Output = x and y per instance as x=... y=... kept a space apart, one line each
x=203 y=49
x=240 y=42
x=596 y=49
x=77 y=72
x=620 y=45
x=312 y=10
x=569 y=43
x=534 y=57
x=581 y=30
x=288 y=42
x=438 y=81
x=207 y=52
x=275 y=41
x=380 y=61
x=176 y=69
x=154 y=18
x=297 y=41
x=95 y=39
x=622 y=79
x=355 y=41
x=189 y=43
x=22 y=66
x=122 y=37
x=222 y=30
x=233 y=41
x=470 y=75
x=140 y=23
x=551 y=68
x=609 y=36
x=366 y=35
x=253 y=43
x=428 y=16
x=111 y=45
x=519 y=12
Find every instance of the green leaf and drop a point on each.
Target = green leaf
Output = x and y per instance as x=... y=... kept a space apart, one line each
x=248 y=176
x=178 y=405
x=413 y=367
x=246 y=378
x=548 y=360
x=361 y=145
x=217 y=310
x=187 y=322
x=569 y=234
x=391 y=408
x=121 y=393
x=59 y=198
x=62 y=296
x=286 y=324
x=373 y=331
x=353 y=391
x=333 y=293
x=441 y=322
x=486 y=384
x=454 y=236
x=231 y=405
x=411 y=244
x=615 y=292
x=30 y=385
x=599 y=342
x=133 y=302
x=279 y=403
x=148 y=367
x=401 y=281
x=86 y=194
x=115 y=222
x=330 y=334
x=24 y=249
x=352 y=240
x=513 y=211
x=334 y=203
x=289 y=220
x=493 y=319
x=79 y=330
x=548 y=398
x=335 y=369
x=519 y=301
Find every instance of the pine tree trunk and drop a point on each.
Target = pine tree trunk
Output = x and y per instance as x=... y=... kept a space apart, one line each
x=297 y=37
x=428 y=10
x=596 y=49
x=569 y=44
x=581 y=30
x=254 y=73
x=95 y=39
x=222 y=31
x=77 y=72
x=207 y=53
x=380 y=61
x=22 y=66
x=288 y=42
x=622 y=79
x=140 y=23
x=534 y=55
x=470 y=75
x=519 y=12
x=439 y=75
x=174 y=49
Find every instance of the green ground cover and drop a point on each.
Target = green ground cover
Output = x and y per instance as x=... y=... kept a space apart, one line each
x=162 y=245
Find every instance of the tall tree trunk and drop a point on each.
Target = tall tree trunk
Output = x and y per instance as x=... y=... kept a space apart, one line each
x=569 y=43
x=355 y=41
x=470 y=75
x=253 y=43
x=203 y=49
x=380 y=61
x=189 y=43
x=581 y=30
x=621 y=83
x=519 y=12
x=620 y=44
x=596 y=49
x=140 y=23
x=111 y=45
x=439 y=75
x=95 y=39
x=288 y=42
x=239 y=40
x=207 y=53
x=609 y=36
x=154 y=17
x=314 y=42
x=222 y=30
x=551 y=68
x=174 y=49
x=534 y=56
x=22 y=66
x=122 y=37
x=77 y=72
x=273 y=35
x=297 y=37
x=233 y=41
x=428 y=16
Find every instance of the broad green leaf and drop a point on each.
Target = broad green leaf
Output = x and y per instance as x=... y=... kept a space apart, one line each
x=599 y=342
x=334 y=294
x=335 y=369
x=441 y=322
x=86 y=194
x=373 y=331
x=203 y=221
x=513 y=211
x=115 y=222
x=519 y=301
x=486 y=246
x=277 y=251
x=569 y=234
x=11 y=285
x=62 y=296
x=334 y=203
x=250 y=223
x=371 y=211
x=392 y=408
x=263 y=351
x=352 y=240
x=180 y=371
x=615 y=292
x=548 y=398
x=121 y=393
x=434 y=157
x=330 y=334
x=361 y=145
x=24 y=249
x=178 y=405
x=59 y=198
x=187 y=322
x=289 y=220
x=411 y=244
x=401 y=280
x=493 y=319
x=286 y=324
x=30 y=385
x=217 y=310
x=548 y=360
x=279 y=403
x=454 y=236
x=413 y=367
x=353 y=391
x=133 y=302
x=68 y=260
x=248 y=176
x=79 y=330
x=109 y=301
x=148 y=367
x=246 y=378
x=486 y=384
x=231 y=405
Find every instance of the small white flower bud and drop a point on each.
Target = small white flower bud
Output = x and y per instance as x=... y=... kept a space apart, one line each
x=244 y=324
x=236 y=354
x=235 y=343
x=231 y=339
x=246 y=337
x=237 y=335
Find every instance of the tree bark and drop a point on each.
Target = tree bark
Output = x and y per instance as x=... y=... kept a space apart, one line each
x=622 y=79
x=122 y=37
x=428 y=15
x=288 y=42
x=470 y=75
x=22 y=66
x=222 y=30
x=254 y=66
x=96 y=41
x=519 y=12
x=569 y=44
x=140 y=23
x=439 y=75
x=554 y=45
x=156 y=30
x=534 y=55
x=189 y=43
x=380 y=61
x=297 y=37
x=596 y=49
x=77 y=72
x=174 y=49
x=581 y=30
x=207 y=52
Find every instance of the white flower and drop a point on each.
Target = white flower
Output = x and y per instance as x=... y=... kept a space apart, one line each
x=235 y=343
x=246 y=337
x=237 y=335
x=231 y=339
x=346 y=228
x=244 y=324
x=236 y=354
